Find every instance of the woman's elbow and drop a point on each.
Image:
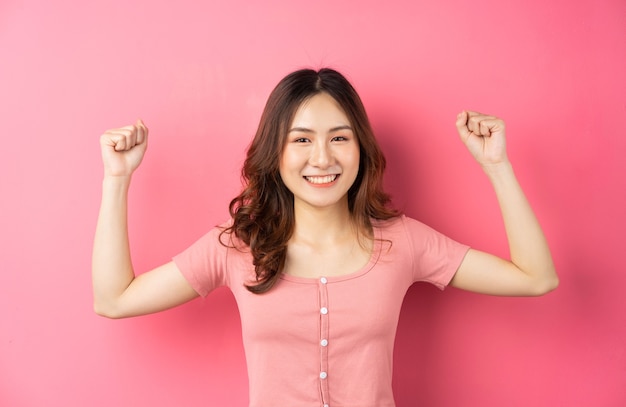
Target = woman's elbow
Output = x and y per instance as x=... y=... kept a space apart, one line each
x=106 y=310
x=545 y=285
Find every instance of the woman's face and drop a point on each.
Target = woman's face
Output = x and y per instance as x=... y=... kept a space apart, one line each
x=320 y=159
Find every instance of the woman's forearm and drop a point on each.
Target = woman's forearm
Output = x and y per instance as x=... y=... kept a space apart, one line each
x=112 y=269
x=528 y=247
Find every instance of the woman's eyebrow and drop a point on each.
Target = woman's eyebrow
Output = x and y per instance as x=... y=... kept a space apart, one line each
x=345 y=127
x=307 y=130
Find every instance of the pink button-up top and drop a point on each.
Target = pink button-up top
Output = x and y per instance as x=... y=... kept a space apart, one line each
x=325 y=341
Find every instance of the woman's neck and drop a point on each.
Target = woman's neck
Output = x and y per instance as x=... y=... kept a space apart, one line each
x=329 y=236
x=322 y=226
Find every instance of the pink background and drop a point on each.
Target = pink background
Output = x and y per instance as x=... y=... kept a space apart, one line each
x=198 y=73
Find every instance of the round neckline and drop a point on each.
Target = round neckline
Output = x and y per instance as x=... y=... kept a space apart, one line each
x=355 y=274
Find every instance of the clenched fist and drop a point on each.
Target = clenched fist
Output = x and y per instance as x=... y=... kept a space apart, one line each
x=484 y=137
x=123 y=149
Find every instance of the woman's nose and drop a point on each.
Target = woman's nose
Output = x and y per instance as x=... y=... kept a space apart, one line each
x=321 y=155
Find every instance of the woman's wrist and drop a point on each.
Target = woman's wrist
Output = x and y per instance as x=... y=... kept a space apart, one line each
x=499 y=170
x=116 y=182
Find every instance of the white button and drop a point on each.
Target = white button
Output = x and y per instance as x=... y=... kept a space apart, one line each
x=324 y=310
x=326 y=405
x=324 y=342
x=323 y=280
x=323 y=375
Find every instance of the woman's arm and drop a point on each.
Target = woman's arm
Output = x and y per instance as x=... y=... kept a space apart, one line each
x=530 y=270
x=117 y=293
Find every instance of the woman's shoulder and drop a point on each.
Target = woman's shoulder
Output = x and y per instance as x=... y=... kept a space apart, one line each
x=227 y=236
x=401 y=225
x=397 y=222
x=221 y=235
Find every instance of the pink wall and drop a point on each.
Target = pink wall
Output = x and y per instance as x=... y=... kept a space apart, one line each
x=198 y=73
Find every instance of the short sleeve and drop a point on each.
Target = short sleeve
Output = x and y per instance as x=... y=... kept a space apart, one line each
x=204 y=263
x=436 y=257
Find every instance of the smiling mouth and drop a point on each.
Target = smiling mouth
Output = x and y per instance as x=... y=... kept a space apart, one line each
x=326 y=179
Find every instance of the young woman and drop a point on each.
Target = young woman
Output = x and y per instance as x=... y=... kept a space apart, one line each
x=317 y=260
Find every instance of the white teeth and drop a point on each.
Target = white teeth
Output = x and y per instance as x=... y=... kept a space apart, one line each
x=321 y=180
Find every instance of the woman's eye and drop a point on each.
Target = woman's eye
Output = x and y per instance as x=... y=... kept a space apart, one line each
x=340 y=138
x=301 y=140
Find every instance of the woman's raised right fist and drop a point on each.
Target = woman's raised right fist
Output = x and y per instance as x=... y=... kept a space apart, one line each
x=123 y=148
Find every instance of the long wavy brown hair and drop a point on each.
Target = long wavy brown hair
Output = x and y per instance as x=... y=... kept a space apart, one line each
x=263 y=213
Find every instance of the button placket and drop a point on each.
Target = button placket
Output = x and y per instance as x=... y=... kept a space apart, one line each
x=323 y=340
